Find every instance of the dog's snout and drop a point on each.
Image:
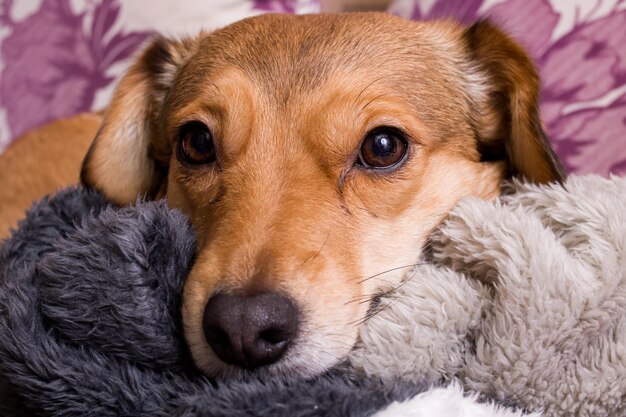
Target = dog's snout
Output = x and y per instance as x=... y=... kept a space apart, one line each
x=250 y=331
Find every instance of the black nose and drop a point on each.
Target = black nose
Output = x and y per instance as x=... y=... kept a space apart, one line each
x=250 y=331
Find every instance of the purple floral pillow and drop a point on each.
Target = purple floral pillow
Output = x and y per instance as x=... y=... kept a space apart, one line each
x=580 y=48
x=62 y=57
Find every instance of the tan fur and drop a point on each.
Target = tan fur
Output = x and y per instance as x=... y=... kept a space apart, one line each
x=288 y=100
x=41 y=162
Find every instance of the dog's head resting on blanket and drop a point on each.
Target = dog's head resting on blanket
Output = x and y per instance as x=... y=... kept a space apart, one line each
x=312 y=154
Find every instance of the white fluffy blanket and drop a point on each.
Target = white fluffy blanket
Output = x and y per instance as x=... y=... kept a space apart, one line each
x=525 y=302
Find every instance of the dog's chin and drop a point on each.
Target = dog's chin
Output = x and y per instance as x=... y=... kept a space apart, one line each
x=302 y=360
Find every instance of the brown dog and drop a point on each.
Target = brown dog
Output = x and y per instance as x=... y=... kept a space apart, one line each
x=313 y=156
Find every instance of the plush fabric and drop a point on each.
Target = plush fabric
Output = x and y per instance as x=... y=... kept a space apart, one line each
x=523 y=302
x=90 y=325
x=537 y=315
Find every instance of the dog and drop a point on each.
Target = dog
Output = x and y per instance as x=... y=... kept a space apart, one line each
x=313 y=156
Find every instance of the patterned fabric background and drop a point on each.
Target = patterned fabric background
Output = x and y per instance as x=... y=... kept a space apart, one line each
x=60 y=57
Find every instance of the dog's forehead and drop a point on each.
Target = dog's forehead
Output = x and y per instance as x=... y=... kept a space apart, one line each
x=298 y=52
x=272 y=70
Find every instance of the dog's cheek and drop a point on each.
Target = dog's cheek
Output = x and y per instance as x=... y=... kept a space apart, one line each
x=392 y=240
x=390 y=249
x=394 y=216
x=331 y=310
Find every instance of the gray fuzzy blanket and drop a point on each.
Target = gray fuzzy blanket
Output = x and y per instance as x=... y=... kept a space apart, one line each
x=523 y=301
x=90 y=324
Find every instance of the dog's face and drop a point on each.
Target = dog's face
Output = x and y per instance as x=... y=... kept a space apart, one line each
x=313 y=156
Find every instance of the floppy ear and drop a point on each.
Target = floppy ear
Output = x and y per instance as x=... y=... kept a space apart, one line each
x=507 y=118
x=120 y=162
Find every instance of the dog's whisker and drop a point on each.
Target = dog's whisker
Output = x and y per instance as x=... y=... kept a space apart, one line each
x=318 y=252
x=369 y=85
x=368 y=298
x=372 y=100
x=364 y=298
x=358 y=299
x=386 y=296
x=377 y=311
x=389 y=270
x=371 y=314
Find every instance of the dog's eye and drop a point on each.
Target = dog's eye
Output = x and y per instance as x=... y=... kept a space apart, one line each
x=195 y=144
x=382 y=148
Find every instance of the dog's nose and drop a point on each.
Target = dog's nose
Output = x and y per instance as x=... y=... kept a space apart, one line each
x=250 y=331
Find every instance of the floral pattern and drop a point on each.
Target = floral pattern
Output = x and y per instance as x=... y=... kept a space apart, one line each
x=287 y=6
x=58 y=60
x=583 y=72
x=53 y=67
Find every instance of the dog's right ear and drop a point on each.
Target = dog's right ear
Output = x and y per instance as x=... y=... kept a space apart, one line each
x=118 y=162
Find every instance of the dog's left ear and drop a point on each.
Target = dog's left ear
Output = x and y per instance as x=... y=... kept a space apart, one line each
x=506 y=116
x=127 y=157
